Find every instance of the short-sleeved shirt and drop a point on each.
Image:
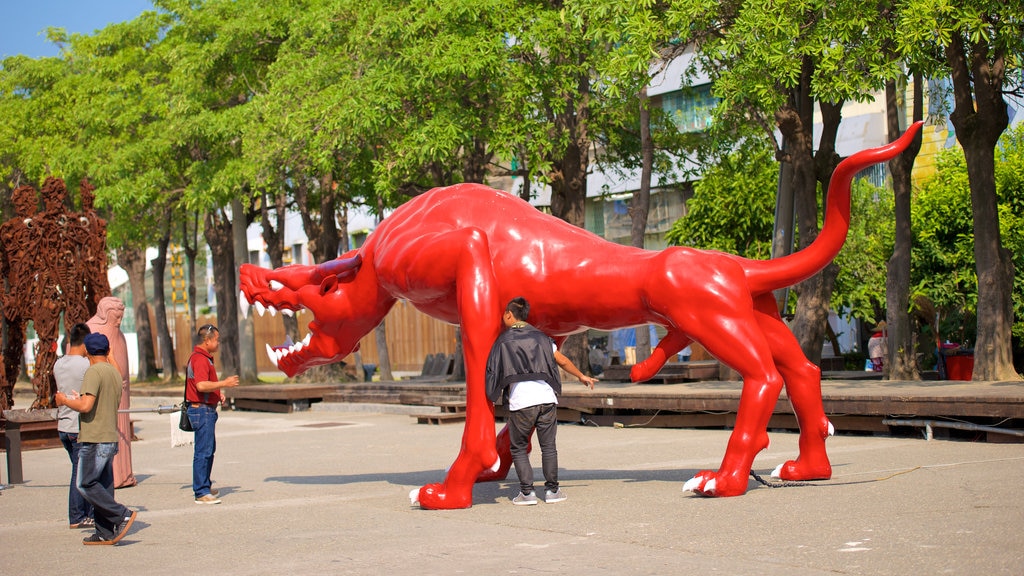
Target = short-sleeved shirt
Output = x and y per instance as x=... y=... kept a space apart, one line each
x=200 y=369
x=68 y=371
x=98 y=425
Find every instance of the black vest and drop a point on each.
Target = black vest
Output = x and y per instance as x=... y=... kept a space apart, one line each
x=518 y=355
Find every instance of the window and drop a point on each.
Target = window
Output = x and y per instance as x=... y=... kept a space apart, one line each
x=690 y=108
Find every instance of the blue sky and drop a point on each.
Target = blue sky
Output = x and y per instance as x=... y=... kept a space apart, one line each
x=23 y=23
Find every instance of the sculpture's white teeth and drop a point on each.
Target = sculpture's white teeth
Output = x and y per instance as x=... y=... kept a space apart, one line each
x=273 y=311
x=275 y=285
x=260 y=308
x=243 y=304
x=414 y=496
x=287 y=312
x=276 y=354
x=777 y=473
x=831 y=429
x=692 y=484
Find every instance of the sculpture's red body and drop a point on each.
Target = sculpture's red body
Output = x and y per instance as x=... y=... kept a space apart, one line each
x=461 y=253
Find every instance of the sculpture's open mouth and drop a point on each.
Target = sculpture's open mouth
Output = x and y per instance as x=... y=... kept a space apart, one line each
x=288 y=354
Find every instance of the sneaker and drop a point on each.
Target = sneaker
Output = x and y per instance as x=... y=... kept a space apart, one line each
x=122 y=530
x=525 y=499
x=96 y=540
x=87 y=523
x=208 y=499
x=214 y=492
x=556 y=496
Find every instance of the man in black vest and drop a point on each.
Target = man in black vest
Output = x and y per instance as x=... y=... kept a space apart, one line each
x=522 y=369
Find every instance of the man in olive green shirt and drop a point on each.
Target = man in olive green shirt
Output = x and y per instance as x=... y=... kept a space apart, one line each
x=100 y=396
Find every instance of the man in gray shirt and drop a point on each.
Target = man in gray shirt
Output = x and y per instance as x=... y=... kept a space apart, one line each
x=68 y=372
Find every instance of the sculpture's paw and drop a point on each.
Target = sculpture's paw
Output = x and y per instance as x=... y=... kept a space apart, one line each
x=497 y=472
x=713 y=484
x=644 y=371
x=812 y=464
x=437 y=497
x=802 y=469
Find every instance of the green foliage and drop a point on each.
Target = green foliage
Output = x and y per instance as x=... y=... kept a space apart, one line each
x=943 y=253
x=733 y=205
x=860 y=285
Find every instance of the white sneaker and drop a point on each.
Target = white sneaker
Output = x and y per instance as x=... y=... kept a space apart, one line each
x=556 y=496
x=525 y=499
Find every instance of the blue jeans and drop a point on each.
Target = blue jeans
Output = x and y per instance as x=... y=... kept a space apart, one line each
x=78 y=508
x=204 y=424
x=96 y=483
x=520 y=425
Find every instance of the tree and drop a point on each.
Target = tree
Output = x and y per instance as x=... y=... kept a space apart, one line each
x=944 y=269
x=981 y=41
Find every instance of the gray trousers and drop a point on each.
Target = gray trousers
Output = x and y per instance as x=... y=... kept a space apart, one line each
x=520 y=425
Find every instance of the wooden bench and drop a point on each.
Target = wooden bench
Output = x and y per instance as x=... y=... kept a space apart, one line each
x=280 y=398
x=27 y=430
x=672 y=373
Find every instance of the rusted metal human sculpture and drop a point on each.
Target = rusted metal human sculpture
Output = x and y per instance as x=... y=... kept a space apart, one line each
x=19 y=241
x=51 y=263
x=460 y=253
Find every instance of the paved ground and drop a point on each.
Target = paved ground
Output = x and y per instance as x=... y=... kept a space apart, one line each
x=326 y=492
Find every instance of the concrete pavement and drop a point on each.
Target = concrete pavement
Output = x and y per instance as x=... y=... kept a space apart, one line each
x=326 y=492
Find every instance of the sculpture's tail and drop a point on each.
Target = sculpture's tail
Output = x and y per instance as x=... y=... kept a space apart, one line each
x=767 y=275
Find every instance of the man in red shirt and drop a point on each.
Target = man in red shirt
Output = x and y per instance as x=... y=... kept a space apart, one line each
x=202 y=391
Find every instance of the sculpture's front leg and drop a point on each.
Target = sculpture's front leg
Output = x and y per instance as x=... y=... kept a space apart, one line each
x=480 y=315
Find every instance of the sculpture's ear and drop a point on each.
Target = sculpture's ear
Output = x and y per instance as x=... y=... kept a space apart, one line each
x=328 y=285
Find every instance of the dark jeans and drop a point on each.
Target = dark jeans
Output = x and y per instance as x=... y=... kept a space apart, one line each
x=520 y=424
x=96 y=483
x=78 y=508
x=204 y=424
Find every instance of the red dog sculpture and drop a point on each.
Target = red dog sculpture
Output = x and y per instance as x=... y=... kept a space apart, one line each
x=461 y=253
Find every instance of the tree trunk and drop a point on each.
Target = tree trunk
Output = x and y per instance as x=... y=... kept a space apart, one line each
x=163 y=332
x=980 y=116
x=322 y=231
x=640 y=210
x=273 y=237
x=246 y=329
x=380 y=334
x=901 y=357
x=190 y=245
x=219 y=236
x=133 y=260
x=796 y=122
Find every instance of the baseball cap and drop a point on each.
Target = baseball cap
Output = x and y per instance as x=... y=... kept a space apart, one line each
x=97 y=344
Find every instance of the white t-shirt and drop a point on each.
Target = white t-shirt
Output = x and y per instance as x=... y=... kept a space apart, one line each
x=531 y=393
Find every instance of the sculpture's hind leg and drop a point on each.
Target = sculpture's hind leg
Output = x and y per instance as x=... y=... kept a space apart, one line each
x=739 y=344
x=504 y=447
x=803 y=387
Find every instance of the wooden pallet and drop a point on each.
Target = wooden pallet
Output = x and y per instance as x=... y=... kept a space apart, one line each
x=449 y=413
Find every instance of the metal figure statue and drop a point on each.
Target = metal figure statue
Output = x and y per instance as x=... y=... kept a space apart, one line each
x=460 y=253
x=51 y=262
